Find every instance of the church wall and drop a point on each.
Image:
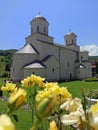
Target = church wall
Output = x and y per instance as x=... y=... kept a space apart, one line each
x=34 y=37
x=36 y=71
x=74 y=47
x=24 y=59
x=52 y=69
x=19 y=61
x=67 y=64
x=45 y=38
x=48 y=49
x=80 y=73
x=85 y=72
x=83 y=55
x=30 y=39
x=44 y=48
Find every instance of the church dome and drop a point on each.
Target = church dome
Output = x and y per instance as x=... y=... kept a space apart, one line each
x=71 y=33
x=39 y=17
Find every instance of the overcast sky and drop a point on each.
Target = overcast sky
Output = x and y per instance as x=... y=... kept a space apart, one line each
x=79 y=16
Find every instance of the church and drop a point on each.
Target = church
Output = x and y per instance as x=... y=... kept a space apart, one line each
x=41 y=56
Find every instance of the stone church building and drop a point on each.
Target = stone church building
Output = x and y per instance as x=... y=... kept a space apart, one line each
x=55 y=62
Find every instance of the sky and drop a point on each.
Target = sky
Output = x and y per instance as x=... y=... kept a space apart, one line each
x=78 y=16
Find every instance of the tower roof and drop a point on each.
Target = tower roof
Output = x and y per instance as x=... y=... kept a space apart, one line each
x=28 y=48
x=39 y=17
x=35 y=64
x=71 y=33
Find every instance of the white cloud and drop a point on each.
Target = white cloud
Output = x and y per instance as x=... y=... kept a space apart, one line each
x=92 y=49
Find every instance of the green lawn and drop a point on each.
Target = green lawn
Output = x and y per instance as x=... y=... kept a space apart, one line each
x=24 y=116
x=75 y=87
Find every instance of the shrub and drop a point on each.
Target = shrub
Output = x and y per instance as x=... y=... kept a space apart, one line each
x=93 y=94
x=91 y=79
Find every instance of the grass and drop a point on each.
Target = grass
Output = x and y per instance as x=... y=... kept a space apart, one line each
x=74 y=88
x=24 y=118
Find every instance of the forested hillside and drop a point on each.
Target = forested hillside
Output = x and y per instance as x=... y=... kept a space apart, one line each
x=93 y=58
x=6 y=61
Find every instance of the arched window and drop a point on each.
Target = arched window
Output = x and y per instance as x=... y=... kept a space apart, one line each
x=44 y=30
x=67 y=64
x=72 y=41
x=66 y=41
x=81 y=57
x=37 y=28
x=52 y=69
x=70 y=75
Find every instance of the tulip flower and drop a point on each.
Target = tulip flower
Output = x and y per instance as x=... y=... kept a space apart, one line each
x=18 y=98
x=9 y=87
x=45 y=106
x=53 y=126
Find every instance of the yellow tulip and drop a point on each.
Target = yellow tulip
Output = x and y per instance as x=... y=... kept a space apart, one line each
x=45 y=107
x=17 y=99
x=53 y=126
x=32 y=81
x=10 y=87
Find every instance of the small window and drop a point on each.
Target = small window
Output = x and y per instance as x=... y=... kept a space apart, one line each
x=37 y=28
x=72 y=41
x=81 y=57
x=67 y=64
x=44 y=30
x=52 y=69
x=70 y=75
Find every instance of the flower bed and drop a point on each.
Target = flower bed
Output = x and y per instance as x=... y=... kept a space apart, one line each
x=48 y=102
x=92 y=94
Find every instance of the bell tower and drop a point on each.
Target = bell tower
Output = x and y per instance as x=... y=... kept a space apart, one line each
x=39 y=25
x=70 y=39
